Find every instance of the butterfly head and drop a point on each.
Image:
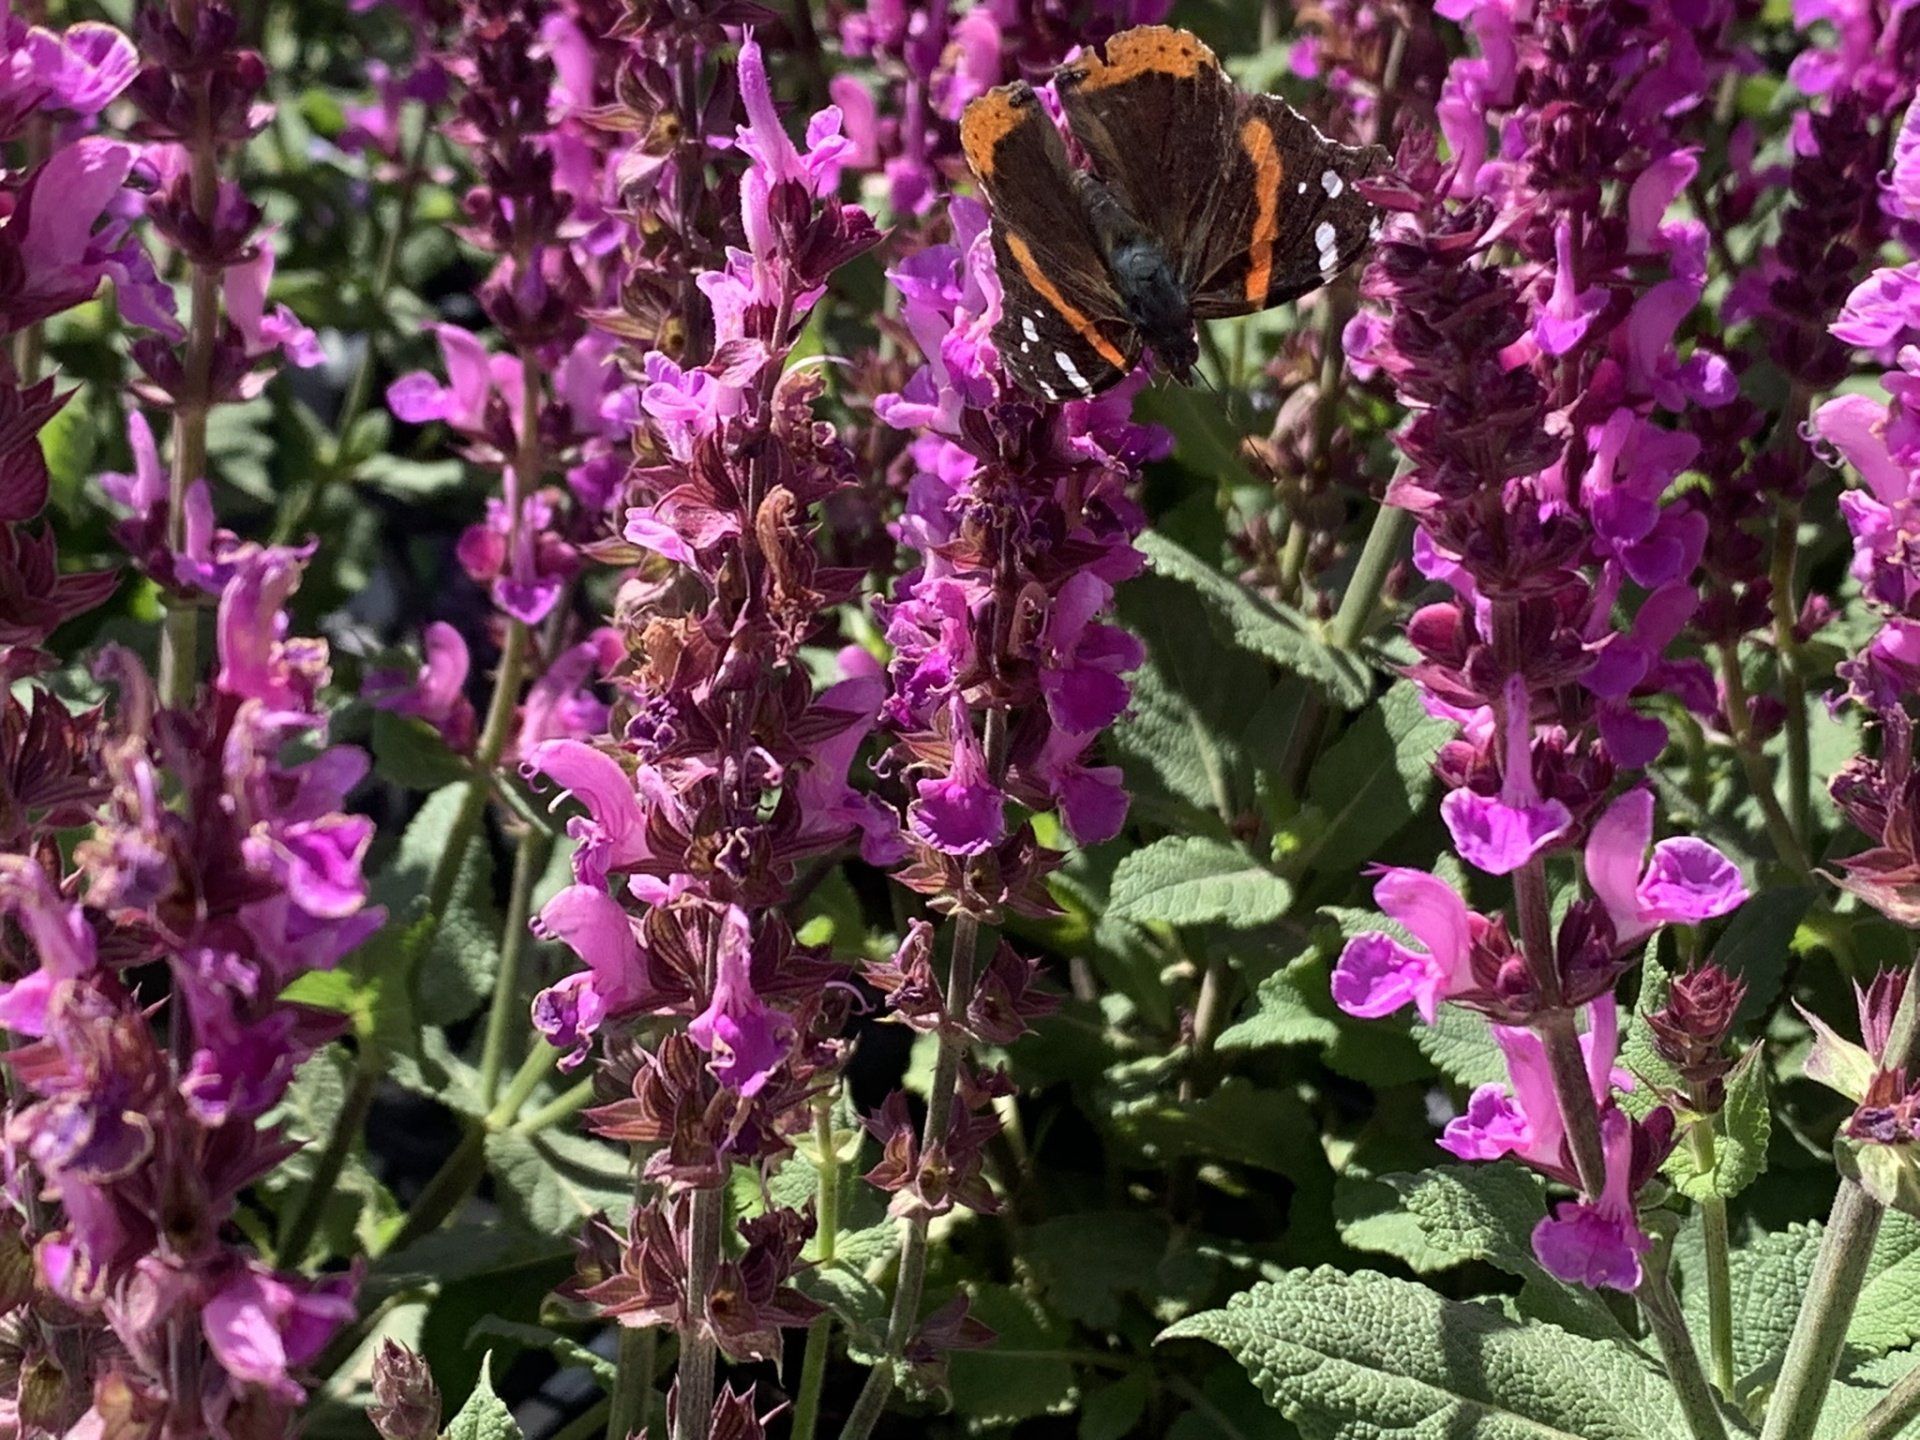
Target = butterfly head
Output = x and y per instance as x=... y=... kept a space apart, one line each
x=1178 y=354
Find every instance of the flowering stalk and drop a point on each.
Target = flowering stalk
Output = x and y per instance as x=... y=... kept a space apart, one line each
x=1881 y=441
x=722 y=771
x=1004 y=676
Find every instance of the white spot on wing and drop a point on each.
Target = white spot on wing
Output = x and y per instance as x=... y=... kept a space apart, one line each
x=1327 y=241
x=1072 y=372
x=1302 y=187
x=1332 y=184
x=1373 y=228
x=1026 y=329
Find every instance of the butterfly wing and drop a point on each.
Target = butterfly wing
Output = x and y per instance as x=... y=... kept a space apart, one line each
x=1287 y=216
x=1063 y=330
x=1152 y=114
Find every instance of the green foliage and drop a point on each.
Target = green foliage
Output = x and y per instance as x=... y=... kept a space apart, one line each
x=1192 y=880
x=1363 y=1355
x=1273 y=631
x=484 y=1416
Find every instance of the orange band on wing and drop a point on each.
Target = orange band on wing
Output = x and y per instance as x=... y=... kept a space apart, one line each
x=1256 y=138
x=988 y=121
x=1023 y=257
x=1149 y=49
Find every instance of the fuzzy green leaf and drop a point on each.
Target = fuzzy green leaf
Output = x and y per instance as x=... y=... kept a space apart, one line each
x=1020 y=1375
x=553 y=1181
x=1369 y=784
x=1275 y=632
x=1740 y=1140
x=1193 y=880
x=1364 y=1356
x=484 y=1416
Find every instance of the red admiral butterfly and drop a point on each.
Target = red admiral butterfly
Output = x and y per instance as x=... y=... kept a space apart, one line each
x=1204 y=201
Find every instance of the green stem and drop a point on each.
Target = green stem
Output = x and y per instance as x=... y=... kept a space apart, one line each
x=1713 y=1221
x=699 y=1357
x=632 y=1396
x=872 y=1401
x=813 y=1368
x=1894 y=1411
x=451 y=1184
x=561 y=1107
x=1786 y=844
x=1378 y=555
x=1839 y=1270
x=1662 y=1309
x=536 y=847
x=1793 y=685
x=180 y=633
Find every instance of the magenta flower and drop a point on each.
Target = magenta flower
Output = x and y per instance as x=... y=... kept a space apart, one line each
x=1499 y=833
x=615 y=983
x=1522 y=1118
x=1377 y=975
x=1685 y=882
x=1598 y=1243
x=438 y=693
x=745 y=1040
x=261 y=1326
x=613 y=833
x=52 y=257
x=962 y=812
x=263 y=331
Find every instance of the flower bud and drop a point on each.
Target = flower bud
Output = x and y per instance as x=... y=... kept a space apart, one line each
x=406 y=1402
x=1690 y=1030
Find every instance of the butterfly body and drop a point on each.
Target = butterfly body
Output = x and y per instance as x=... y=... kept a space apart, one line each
x=1202 y=201
x=1143 y=276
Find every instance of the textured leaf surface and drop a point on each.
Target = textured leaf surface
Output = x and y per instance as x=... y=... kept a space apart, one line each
x=484 y=1416
x=1460 y=1045
x=1366 y=1357
x=1273 y=631
x=552 y=1181
x=1022 y=1374
x=1372 y=781
x=1740 y=1141
x=1193 y=880
x=1282 y=1015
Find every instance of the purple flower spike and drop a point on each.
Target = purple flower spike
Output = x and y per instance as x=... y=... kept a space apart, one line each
x=1598 y=1243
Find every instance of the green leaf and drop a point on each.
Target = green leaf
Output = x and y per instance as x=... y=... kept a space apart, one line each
x=1487 y=1212
x=1185 y=732
x=1365 y=1356
x=484 y=1416
x=552 y=1181
x=1239 y=1123
x=1477 y=1212
x=1758 y=943
x=1020 y=1375
x=1461 y=1046
x=1369 y=784
x=1087 y=1263
x=1273 y=631
x=1740 y=1142
x=1111 y=1412
x=411 y=753
x=1770 y=1273
x=1193 y=880
x=1370 y=1215
x=1282 y=1015
x=563 y=1348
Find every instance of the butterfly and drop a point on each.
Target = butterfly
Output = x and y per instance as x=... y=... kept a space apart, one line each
x=1204 y=201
